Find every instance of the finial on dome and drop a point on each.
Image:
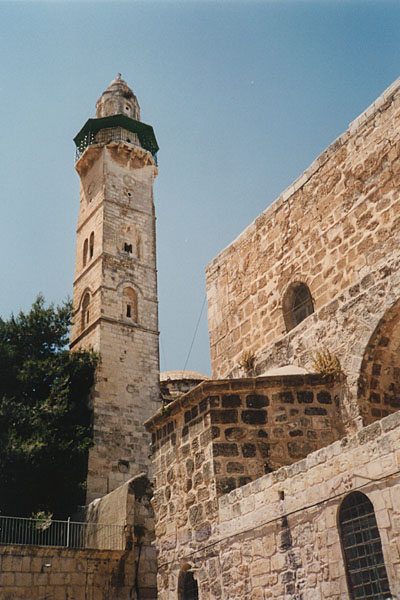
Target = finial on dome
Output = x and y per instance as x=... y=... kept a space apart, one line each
x=118 y=75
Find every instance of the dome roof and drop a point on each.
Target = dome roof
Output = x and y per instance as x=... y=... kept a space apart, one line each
x=285 y=370
x=179 y=375
x=118 y=99
x=118 y=83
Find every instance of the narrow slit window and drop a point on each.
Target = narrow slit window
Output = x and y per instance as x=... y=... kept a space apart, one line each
x=128 y=310
x=91 y=245
x=362 y=549
x=85 y=311
x=85 y=253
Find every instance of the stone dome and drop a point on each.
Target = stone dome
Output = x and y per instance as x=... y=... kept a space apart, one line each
x=176 y=383
x=118 y=99
x=179 y=375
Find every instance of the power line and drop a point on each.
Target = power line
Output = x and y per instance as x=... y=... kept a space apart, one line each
x=195 y=332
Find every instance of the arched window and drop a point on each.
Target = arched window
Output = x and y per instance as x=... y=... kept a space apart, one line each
x=362 y=549
x=85 y=252
x=91 y=245
x=297 y=305
x=187 y=586
x=130 y=304
x=85 y=311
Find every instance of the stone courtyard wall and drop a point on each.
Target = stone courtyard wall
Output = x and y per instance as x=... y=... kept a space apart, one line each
x=38 y=573
x=277 y=537
x=335 y=229
x=128 y=506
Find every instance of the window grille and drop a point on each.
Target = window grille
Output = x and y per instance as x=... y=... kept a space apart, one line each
x=190 y=590
x=301 y=303
x=362 y=548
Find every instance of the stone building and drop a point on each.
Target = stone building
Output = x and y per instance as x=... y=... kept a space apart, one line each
x=280 y=477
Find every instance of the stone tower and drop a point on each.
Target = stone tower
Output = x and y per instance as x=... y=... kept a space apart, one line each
x=115 y=286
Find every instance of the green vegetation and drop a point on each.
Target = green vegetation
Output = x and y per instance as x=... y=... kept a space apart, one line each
x=45 y=420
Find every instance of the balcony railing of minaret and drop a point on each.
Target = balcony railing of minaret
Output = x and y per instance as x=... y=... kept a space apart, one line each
x=105 y=136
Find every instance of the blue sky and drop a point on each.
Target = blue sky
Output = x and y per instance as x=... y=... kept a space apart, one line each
x=243 y=95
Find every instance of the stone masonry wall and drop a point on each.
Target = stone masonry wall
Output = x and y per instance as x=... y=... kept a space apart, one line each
x=35 y=573
x=129 y=506
x=277 y=537
x=336 y=230
x=222 y=435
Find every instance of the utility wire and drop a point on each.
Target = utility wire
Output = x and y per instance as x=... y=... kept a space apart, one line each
x=195 y=332
x=163 y=353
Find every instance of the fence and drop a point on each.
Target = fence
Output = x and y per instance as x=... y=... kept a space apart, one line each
x=67 y=534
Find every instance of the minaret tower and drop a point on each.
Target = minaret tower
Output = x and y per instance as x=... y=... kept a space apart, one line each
x=115 y=287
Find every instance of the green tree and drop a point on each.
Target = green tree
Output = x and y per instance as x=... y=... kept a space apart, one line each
x=45 y=419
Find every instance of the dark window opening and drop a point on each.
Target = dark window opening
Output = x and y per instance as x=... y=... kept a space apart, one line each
x=190 y=589
x=297 y=305
x=91 y=245
x=128 y=248
x=365 y=567
x=85 y=311
x=130 y=304
x=85 y=253
x=302 y=303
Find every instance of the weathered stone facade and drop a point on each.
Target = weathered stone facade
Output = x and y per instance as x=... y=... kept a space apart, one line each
x=253 y=474
x=278 y=536
x=336 y=230
x=115 y=291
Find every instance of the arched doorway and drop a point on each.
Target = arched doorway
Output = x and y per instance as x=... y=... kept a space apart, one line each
x=187 y=585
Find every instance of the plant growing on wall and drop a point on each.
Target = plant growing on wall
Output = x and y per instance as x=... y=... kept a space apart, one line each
x=327 y=363
x=45 y=420
x=247 y=361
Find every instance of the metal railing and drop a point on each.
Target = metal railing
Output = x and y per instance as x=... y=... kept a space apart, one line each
x=105 y=136
x=67 y=534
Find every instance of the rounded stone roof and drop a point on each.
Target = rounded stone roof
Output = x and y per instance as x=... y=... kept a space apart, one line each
x=179 y=375
x=118 y=83
x=118 y=99
x=286 y=370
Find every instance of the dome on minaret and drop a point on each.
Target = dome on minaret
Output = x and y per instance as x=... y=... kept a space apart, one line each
x=118 y=99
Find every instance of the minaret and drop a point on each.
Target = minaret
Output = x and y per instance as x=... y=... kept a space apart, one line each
x=115 y=287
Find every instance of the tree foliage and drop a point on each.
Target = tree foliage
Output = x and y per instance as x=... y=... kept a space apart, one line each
x=45 y=420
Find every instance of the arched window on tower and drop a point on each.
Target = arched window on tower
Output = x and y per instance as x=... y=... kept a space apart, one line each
x=130 y=304
x=187 y=585
x=91 y=245
x=84 y=253
x=297 y=304
x=362 y=549
x=85 y=315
